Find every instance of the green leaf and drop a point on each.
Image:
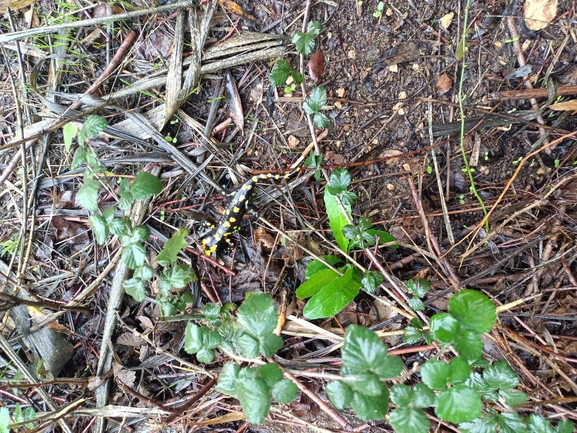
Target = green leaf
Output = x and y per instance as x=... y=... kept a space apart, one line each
x=69 y=131
x=316 y=100
x=320 y=120
x=412 y=335
x=140 y=233
x=145 y=185
x=284 y=391
x=384 y=237
x=333 y=297
x=402 y=395
x=460 y=370
x=134 y=255
x=418 y=287
x=513 y=423
x=248 y=345
x=204 y=355
x=144 y=272
x=297 y=76
x=173 y=247
x=270 y=373
x=304 y=43
x=258 y=314
x=99 y=228
x=500 y=376
x=254 y=398
x=227 y=379
x=79 y=157
x=370 y=408
x=458 y=404
x=135 y=287
x=435 y=374
x=513 y=398
x=339 y=181
x=416 y=304
x=565 y=426
x=539 y=424
x=367 y=383
x=317 y=266
x=4 y=420
x=337 y=219
x=474 y=310
x=93 y=126
x=371 y=281
x=270 y=344
x=280 y=73
x=314 y=28
x=193 y=338
x=117 y=226
x=340 y=394
x=364 y=351
x=409 y=420
x=315 y=283
x=484 y=424
x=444 y=328
x=468 y=345
x=424 y=396
x=87 y=195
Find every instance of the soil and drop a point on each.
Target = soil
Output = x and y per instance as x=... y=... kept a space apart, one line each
x=489 y=204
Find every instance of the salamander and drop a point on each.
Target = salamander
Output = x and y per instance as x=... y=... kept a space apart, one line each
x=233 y=214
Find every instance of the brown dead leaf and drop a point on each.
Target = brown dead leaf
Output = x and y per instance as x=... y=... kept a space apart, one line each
x=444 y=84
x=236 y=9
x=539 y=13
x=128 y=339
x=565 y=106
x=234 y=103
x=292 y=141
x=447 y=20
x=14 y=4
x=31 y=18
x=316 y=65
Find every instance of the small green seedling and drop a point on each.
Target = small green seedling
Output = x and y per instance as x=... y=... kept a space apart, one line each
x=379 y=12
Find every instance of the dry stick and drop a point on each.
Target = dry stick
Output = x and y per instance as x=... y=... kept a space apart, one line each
x=475 y=232
x=508 y=95
x=114 y=63
x=521 y=59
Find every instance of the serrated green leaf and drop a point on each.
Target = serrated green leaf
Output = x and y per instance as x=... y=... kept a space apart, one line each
x=458 y=404
x=468 y=345
x=320 y=120
x=173 y=247
x=412 y=335
x=484 y=424
x=370 y=408
x=513 y=398
x=333 y=297
x=474 y=311
x=384 y=237
x=402 y=395
x=117 y=226
x=409 y=420
x=304 y=43
x=444 y=328
x=135 y=287
x=337 y=219
x=372 y=280
x=93 y=126
x=424 y=396
x=79 y=157
x=314 y=28
x=99 y=228
x=69 y=131
x=364 y=351
x=248 y=345
x=4 y=420
x=87 y=195
x=435 y=374
x=134 y=255
x=193 y=338
x=284 y=391
x=140 y=233
x=204 y=355
x=340 y=394
x=538 y=424
x=270 y=373
x=227 y=379
x=339 y=181
x=315 y=283
x=144 y=272
x=418 y=287
x=258 y=314
x=500 y=376
x=460 y=370
x=254 y=398
x=511 y=422
x=367 y=383
x=145 y=185
x=270 y=344
x=316 y=100
x=297 y=76
x=280 y=73
x=416 y=304
x=565 y=426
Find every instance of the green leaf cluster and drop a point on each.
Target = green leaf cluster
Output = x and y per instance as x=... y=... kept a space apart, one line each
x=255 y=387
x=305 y=42
x=314 y=104
x=366 y=365
x=281 y=73
x=363 y=235
x=418 y=288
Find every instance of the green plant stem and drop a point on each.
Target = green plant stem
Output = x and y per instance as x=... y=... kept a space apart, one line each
x=462 y=113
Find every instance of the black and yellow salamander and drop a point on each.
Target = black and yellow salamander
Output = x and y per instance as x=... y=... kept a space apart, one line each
x=233 y=214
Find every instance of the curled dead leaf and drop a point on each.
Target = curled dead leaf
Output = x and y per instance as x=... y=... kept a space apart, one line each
x=444 y=84
x=539 y=13
x=317 y=65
